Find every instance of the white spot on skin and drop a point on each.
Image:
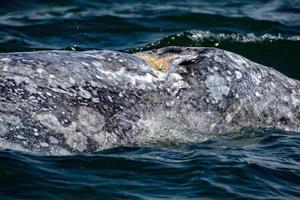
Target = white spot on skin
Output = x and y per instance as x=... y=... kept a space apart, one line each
x=97 y=64
x=217 y=87
x=295 y=99
x=48 y=120
x=74 y=139
x=174 y=77
x=72 y=81
x=89 y=120
x=238 y=74
x=128 y=78
x=20 y=79
x=11 y=119
x=84 y=63
x=39 y=70
x=52 y=76
x=273 y=85
x=93 y=84
x=5 y=59
x=53 y=140
x=228 y=78
x=110 y=99
x=20 y=137
x=5 y=68
x=256 y=79
x=84 y=93
x=44 y=144
x=228 y=118
x=286 y=98
x=95 y=100
x=31 y=89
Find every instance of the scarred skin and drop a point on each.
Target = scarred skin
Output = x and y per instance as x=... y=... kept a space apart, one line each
x=62 y=102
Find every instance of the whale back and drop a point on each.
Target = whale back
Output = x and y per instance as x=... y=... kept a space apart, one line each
x=61 y=102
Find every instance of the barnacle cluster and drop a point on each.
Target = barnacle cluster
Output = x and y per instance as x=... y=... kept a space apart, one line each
x=157 y=63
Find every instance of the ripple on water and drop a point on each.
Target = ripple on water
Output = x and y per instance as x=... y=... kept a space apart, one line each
x=262 y=167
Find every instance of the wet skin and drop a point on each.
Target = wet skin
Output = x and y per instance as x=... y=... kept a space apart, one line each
x=62 y=102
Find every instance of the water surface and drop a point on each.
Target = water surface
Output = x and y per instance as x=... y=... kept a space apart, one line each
x=254 y=164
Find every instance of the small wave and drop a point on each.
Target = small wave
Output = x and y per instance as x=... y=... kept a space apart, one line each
x=251 y=37
x=207 y=38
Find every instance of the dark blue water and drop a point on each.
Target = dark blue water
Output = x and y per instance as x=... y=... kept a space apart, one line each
x=253 y=164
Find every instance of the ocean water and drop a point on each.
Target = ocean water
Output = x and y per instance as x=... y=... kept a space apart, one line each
x=252 y=164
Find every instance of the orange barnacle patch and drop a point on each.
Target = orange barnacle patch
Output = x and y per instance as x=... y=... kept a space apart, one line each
x=159 y=64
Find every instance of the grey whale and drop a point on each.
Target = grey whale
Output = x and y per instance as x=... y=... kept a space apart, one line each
x=63 y=102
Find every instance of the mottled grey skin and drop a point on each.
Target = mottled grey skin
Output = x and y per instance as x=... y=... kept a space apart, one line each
x=61 y=102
